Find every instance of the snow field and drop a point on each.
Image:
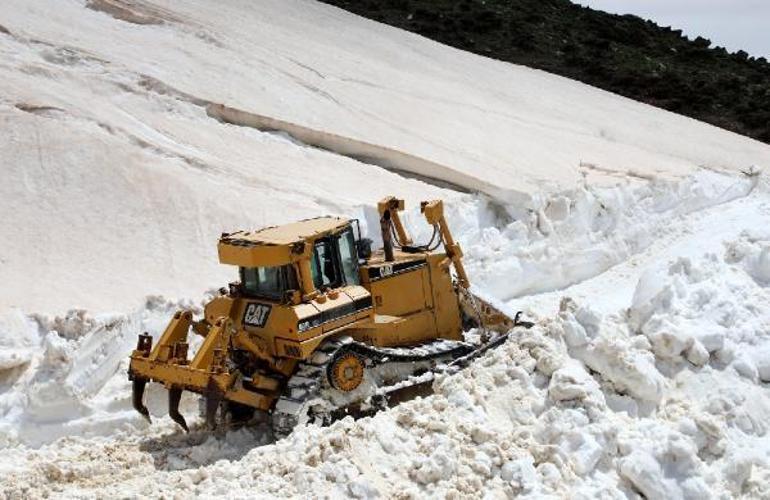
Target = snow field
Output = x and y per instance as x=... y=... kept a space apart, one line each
x=662 y=389
x=114 y=104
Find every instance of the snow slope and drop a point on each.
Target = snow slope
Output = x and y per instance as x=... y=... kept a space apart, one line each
x=108 y=135
x=135 y=132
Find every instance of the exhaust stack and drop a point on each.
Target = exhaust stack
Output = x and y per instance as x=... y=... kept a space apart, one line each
x=387 y=239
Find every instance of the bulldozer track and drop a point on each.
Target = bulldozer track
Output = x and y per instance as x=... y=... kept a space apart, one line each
x=305 y=398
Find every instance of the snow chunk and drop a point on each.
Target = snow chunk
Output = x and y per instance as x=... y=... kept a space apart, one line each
x=618 y=359
x=521 y=474
x=697 y=306
x=753 y=255
x=666 y=468
x=572 y=382
x=19 y=340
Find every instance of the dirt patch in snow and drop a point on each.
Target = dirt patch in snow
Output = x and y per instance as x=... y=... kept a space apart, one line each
x=131 y=11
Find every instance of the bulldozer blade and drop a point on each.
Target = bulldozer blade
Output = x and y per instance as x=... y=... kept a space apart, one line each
x=174 y=397
x=137 y=389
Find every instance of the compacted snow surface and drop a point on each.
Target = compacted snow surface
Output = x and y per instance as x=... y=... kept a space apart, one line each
x=637 y=240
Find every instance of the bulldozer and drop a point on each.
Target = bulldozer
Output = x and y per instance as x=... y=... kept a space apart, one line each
x=318 y=322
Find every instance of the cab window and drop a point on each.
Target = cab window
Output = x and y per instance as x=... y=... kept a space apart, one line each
x=335 y=261
x=325 y=266
x=349 y=257
x=268 y=282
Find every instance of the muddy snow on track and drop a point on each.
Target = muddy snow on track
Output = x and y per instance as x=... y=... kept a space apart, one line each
x=134 y=133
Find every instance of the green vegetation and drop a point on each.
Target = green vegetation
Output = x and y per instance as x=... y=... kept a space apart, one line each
x=623 y=54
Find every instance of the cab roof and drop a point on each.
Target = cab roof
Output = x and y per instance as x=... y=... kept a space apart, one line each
x=304 y=230
x=276 y=245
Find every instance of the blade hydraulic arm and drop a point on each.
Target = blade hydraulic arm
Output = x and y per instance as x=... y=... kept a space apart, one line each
x=434 y=214
x=389 y=209
x=391 y=226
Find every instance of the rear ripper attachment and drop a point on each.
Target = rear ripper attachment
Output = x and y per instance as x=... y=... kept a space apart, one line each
x=317 y=322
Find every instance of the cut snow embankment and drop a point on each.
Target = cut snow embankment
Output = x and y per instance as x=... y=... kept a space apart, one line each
x=576 y=235
x=658 y=391
x=120 y=169
x=373 y=154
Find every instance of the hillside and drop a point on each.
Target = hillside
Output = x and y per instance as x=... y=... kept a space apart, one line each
x=99 y=134
x=623 y=54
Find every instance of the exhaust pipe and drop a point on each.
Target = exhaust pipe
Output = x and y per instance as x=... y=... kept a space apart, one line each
x=174 y=397
x=387 y=236
x=137 y=392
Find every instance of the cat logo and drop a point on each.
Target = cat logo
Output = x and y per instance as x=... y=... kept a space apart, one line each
x=386 y=270
x=256 y=314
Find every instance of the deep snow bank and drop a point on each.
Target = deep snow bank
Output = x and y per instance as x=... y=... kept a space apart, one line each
x=571 y=236
x=68 y=374
x=314 y=65
x=535 y=418
x=660 y=391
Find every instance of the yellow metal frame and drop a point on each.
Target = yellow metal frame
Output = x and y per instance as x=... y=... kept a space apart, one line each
x=416 y=304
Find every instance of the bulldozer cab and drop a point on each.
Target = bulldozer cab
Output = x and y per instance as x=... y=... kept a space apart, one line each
x=293 y=263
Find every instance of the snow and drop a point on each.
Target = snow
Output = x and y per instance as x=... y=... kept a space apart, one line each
x=90 y=121
x=136 y=132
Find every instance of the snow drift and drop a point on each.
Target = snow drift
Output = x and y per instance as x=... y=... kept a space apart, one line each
x=665 y=393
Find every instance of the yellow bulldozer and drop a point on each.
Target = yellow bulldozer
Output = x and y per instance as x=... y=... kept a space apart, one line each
x=318 y=322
